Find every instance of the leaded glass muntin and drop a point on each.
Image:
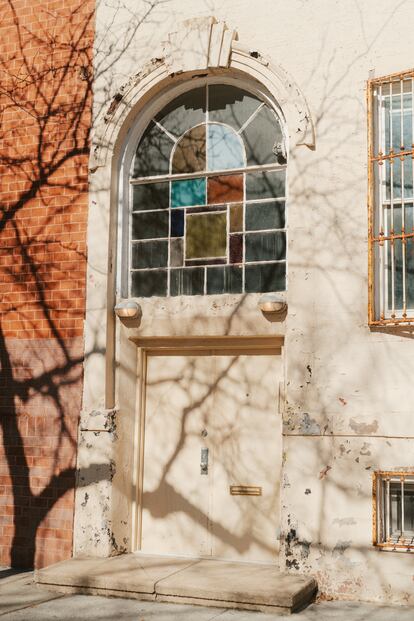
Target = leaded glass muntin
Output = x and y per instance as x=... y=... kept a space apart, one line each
x=232 y=195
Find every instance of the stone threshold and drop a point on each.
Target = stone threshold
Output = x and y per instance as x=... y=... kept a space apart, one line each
x=206 y=582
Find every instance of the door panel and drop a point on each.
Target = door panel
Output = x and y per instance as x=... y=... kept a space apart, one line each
x=175 y=495
x=246 y=451
x=225 y=402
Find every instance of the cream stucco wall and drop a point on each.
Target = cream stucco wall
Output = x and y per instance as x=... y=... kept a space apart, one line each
x=348 y=391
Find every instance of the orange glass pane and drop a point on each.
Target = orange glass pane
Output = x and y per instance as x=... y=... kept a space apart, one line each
x=225 y=189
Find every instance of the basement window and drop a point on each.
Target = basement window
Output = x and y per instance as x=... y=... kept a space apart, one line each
x=394 y=510
x=391 y=201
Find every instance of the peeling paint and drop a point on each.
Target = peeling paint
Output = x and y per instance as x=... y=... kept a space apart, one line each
x=364 y=450
x=341 y=547
x=116 y=100
x=324 y=472
x=363 y=428
x=309 y=425
x=296 y=550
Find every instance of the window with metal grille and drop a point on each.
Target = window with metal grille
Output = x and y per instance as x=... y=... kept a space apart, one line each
x=394 y=510
x=391 y=206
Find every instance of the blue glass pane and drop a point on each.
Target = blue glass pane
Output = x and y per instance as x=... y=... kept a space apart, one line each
x=177 y=223
x=224 y=148
x=188 y=192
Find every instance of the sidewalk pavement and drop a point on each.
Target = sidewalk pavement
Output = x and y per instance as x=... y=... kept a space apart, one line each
x=22 y=600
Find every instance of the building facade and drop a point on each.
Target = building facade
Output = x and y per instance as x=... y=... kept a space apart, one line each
x=45 y=101
x=250 y=216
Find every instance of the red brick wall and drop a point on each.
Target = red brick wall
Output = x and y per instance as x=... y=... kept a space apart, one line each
x=45 y=112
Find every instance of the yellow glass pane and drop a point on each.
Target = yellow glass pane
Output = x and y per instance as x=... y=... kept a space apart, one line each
x=206 y=235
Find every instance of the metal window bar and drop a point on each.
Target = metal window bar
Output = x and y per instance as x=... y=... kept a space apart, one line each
x=390 y=229
x=387 y=511
x=403 y=241
x=383 y=236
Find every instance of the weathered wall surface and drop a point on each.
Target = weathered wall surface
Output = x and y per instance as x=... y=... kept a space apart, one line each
x=45 y=106
x=348 y=392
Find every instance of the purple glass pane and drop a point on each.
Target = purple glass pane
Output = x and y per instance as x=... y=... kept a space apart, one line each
x=236 y=248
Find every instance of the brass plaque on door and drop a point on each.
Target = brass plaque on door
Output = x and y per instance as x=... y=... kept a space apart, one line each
x=245 y=490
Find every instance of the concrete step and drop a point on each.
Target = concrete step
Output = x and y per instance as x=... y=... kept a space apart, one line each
x=248 y=586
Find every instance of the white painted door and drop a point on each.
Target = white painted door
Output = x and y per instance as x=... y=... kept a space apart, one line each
x=227 y=403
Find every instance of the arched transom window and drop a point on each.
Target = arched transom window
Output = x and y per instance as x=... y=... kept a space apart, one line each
x=208 y=197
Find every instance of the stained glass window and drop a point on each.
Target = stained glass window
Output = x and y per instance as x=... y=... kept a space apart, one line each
x=208 y=197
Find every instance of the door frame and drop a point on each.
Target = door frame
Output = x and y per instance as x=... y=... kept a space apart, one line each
x=167 y=346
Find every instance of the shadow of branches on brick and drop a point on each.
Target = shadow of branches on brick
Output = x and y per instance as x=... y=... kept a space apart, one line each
x=45 y=107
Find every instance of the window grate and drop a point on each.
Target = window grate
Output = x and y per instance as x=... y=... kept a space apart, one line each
x=391 y=199
x=393 y=510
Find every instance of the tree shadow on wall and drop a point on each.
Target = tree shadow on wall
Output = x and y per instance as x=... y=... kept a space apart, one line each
x=45 y=107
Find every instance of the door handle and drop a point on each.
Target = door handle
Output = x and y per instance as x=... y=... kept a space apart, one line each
x=204 y=461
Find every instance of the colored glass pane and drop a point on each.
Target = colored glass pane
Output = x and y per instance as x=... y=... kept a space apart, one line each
x=177 y=223
x=266 y=246
x=236 y=248
x=190 y=152
x=177 y=252
x=150 y=225
x=265 y=277
x=225 y=189
x=149 y=254
x=206 y=235
x=184 y=112
x=236 y=218
x=230 y=105
x=227 y=279
x=147 y=283
x=150 y=196
x=221 y=229
x=153 y=153
x=265 y=184
x=188 y=192
x=261 y=216
x=225 y=149
x=187 y=281
x=260 y=136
